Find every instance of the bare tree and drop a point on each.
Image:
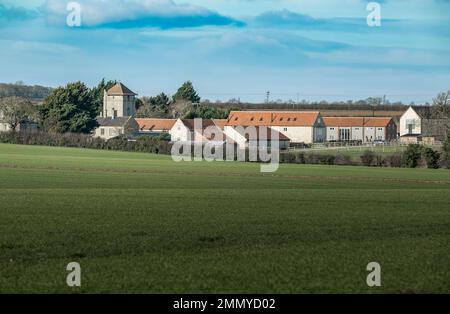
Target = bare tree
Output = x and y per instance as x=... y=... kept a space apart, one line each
x=441 y=105
x=180 y=108
x=14 y=110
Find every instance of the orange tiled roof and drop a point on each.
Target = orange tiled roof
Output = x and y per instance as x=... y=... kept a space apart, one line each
x=272 y=118
x=357 y=121
x=377 y=121
x=343 y=121
x=155 y=124
x=220 y=123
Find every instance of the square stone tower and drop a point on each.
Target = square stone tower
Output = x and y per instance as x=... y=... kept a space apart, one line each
x=119 y=101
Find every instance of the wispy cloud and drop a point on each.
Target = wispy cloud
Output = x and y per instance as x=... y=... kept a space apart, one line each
x=285 y=46
x=10 y=13
x=139 y=13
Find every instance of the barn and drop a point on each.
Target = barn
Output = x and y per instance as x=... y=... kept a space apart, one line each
x=300 y=127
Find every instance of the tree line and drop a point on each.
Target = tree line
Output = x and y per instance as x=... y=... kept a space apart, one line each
x=73 y=108
x=18 y=89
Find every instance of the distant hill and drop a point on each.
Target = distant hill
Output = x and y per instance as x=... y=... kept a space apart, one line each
x=35 y=92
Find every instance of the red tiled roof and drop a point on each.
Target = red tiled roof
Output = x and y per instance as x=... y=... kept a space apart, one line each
x=343 y=121
x=377 y=121
x=220 y=123
x=155 y=124
x=357 y=121
x=272 y=118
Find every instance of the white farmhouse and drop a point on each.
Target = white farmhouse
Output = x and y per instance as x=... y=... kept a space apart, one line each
x=114 y=127
x=260 y=136
x=364 y=129
x=198 y=130
x=416 y=125
x=410 y=123
x=299 y=127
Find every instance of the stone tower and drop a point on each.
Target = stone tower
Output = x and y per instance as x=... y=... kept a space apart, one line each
x=119 y=101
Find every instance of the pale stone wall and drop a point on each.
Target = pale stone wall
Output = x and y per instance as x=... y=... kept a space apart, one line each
x=369 y=134
x=108 y=132
x=124 y=106
x=380 y=133
x=332 y=133
x=357 y=133
x=297 y=134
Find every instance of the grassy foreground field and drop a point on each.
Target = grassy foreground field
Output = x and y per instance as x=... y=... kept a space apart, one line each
x=143 y=223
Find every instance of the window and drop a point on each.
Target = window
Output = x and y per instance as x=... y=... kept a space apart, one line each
x=285 y=129
x=102 y=131
x=380 y=129
x=332 y=129
x=260 y=119
x=295 y=119
x=251 y=119
x=281 y=119
x=235 y=119
x=356 y=129
x=344 y=134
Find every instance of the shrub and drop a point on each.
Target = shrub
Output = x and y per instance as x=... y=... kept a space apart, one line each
x=292 y=158
x=432 y=157
x=367 y=158
x=319 y=159
x=146 y=144
x=412 y=155
x=379 y=161
x=343 y=160
x=395 y=160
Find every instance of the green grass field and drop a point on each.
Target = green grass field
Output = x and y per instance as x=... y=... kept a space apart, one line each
x=143 y=223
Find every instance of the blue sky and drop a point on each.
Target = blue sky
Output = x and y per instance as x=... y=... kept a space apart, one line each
x=308 y=49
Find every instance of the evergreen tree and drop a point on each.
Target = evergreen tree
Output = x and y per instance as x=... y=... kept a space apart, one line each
x=97 y=93
x=70 y=109
x=187 y=92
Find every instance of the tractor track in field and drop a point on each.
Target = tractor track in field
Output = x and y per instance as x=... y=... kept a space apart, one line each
x=226 y=174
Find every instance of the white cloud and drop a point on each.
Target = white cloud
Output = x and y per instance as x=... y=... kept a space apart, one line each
x=101 y=12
